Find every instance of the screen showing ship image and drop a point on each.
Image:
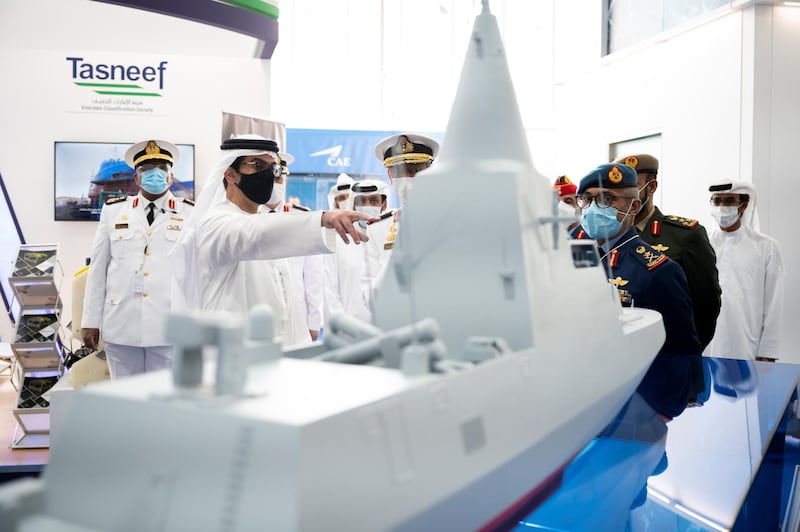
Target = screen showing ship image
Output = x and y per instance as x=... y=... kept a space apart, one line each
x=88 y=173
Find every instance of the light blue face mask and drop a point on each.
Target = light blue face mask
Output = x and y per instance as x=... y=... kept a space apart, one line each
x=600 y=223
x=154 y=180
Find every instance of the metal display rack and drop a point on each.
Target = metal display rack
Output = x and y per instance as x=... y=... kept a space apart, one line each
x=37 y=347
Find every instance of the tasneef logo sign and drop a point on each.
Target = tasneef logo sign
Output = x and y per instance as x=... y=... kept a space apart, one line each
x=118 y=80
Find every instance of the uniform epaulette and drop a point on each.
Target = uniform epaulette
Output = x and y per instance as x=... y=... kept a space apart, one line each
x=116 y=199
x=651 y=258
x=188 y=201
x=301 y=208
x=686 y=223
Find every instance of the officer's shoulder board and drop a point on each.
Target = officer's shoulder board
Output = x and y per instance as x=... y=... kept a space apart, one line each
x=300 y=208
x=117 y=199
x=680 y=221
x=648 y=256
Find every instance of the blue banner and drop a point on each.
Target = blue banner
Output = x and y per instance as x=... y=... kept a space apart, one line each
x=333 y=151
x=322 y=154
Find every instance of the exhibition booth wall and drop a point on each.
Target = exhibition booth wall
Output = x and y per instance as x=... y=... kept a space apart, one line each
x=96 y=90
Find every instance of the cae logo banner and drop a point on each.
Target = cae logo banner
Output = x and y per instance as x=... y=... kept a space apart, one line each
x=118 y=80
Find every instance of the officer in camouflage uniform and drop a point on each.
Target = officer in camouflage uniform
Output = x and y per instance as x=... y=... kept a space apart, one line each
x=683 y=240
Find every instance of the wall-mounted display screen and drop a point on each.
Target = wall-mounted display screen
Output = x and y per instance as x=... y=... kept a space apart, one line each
x=88 y=173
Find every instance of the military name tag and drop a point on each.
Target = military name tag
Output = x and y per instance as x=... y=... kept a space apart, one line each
x=120 y=226
x=388 y=245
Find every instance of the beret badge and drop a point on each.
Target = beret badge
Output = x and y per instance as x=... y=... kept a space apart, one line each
x=632 y=161
x=614 y=175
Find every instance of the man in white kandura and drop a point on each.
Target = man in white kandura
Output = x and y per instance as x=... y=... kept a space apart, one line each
x=344 y=270
x=223 y=252
x=751 y=276
x=339 y=195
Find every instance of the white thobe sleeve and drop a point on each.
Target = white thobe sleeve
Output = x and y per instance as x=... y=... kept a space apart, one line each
x=768 y=346
x=333 y=294
x=313 y=283
x=224 y=237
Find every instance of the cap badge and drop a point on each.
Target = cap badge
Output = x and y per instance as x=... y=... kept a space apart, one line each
x=632 y=161
x=152 y=148
x=403 y=145
x=614 y=175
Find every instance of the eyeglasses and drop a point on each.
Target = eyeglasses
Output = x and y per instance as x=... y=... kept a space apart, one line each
x=727 y=201
x=604 y=201
x=148 y=167
x=260 y=166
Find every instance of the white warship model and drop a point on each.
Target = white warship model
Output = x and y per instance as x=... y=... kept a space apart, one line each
x=500 y=350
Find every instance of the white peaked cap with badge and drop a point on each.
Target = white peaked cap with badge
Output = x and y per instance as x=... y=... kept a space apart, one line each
x=153 y=149
x=406 y=148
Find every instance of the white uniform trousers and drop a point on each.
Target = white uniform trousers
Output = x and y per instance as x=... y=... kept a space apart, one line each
x=126 y=360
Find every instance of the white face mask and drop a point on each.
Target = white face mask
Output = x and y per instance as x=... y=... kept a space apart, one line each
x=565 y=209
x=278 y=194
x=644 y=201
x=402 y=185
x=367 y=209
x=725 y=216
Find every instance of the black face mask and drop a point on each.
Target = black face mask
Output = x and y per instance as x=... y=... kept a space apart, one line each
x=257 y=187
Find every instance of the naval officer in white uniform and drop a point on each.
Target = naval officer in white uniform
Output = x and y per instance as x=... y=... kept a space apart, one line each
x=127 y=296
x=404 y=156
